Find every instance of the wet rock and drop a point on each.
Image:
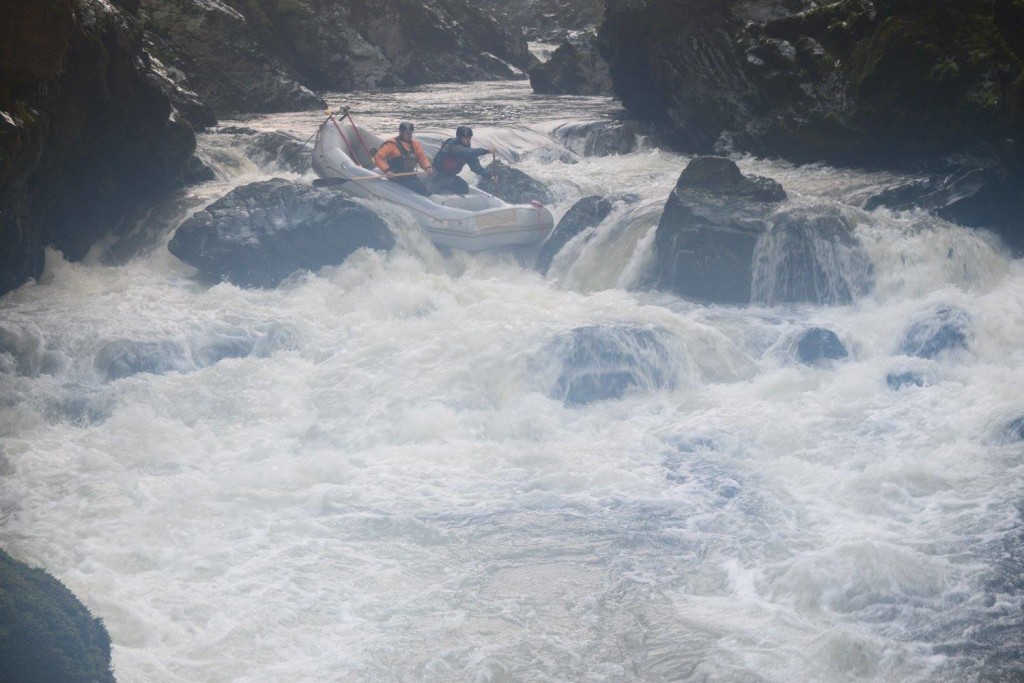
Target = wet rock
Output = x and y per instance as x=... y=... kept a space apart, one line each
x=598 y=363
x=586 y=213
x=943 y=331
x=210 y=49
x=810 y=255
x=599 y=138
x=513 y=185
x=87 y=139
x=257 y=235
x=196 y=171
x=817 y=345
x=48 y=635
x=704 y=244
x=124 y=358
x=575 y=68
x=282 y=150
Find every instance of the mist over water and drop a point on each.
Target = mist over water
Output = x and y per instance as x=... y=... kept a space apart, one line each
x=419 y=466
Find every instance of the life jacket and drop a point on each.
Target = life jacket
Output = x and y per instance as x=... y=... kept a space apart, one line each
x=406 y=163
x=446 y=163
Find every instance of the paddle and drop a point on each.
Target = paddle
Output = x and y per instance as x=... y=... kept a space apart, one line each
x=333 y=182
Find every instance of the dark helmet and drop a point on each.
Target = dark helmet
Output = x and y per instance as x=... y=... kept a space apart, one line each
x=405 y=127
x=463 y=132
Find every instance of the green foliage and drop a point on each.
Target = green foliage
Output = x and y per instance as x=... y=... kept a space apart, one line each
x=46 y=634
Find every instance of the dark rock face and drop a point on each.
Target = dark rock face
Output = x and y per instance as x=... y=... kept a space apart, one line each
x=902 y=85
x=87 y=140
x=817 y=345
x=575 y=68
x=259 y=234
x=945 y=330
x=213 y=52
x=513 y=185
x=48 y=634
x=547 y=20
x=704 y=244
x=586 y=213
x=600 y=138
x=365 y=44
x=597 y=363
x=810 y=255
x=849 y=81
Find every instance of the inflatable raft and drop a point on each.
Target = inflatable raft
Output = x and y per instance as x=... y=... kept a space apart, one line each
x=471 y=222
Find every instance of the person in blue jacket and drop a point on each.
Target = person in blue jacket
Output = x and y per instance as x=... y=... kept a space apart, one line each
x=455 y=154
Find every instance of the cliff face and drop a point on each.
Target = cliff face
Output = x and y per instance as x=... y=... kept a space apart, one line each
x=889 y=82
x=87 y=137
x=252 y=55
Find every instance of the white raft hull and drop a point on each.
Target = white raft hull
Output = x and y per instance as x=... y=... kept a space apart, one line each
x=471 y=222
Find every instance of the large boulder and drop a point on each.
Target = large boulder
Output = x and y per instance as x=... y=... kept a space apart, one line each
x=213 y=51
x=258 y=234
x=586 y=213
x=513 y=185
x=704 y=244
x=46 y=633
x=88 y=140
x=575 y=68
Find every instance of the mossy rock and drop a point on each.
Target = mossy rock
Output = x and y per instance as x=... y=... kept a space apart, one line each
x=46 y=634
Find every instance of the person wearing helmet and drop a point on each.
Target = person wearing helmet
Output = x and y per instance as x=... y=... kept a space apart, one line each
x=401 y=155
x=449 y=161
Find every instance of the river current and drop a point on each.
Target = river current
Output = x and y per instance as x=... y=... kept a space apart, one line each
x=368 y=474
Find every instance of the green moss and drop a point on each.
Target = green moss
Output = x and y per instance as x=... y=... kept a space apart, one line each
x=46 y=634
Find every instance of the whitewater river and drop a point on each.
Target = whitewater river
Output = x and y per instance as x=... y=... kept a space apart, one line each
x=370 y=474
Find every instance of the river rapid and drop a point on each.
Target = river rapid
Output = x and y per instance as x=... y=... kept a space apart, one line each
x=368 y=473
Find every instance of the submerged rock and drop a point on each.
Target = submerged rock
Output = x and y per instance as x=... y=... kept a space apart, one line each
x=575 y=68
x=704 y=244
x=810 y=255
x=818 y=344
x=900 y=380
x=944 y=330
x=599 y=138
x=598 y=363
x=1014 y=430
x=257 y=235
x=48 y=634
x=513 y=185
x=586 y=213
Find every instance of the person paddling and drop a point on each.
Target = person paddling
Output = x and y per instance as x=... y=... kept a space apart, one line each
x=401 y=155
x=454 y=154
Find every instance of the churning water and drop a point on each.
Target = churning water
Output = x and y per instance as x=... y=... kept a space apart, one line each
x=396 y=469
